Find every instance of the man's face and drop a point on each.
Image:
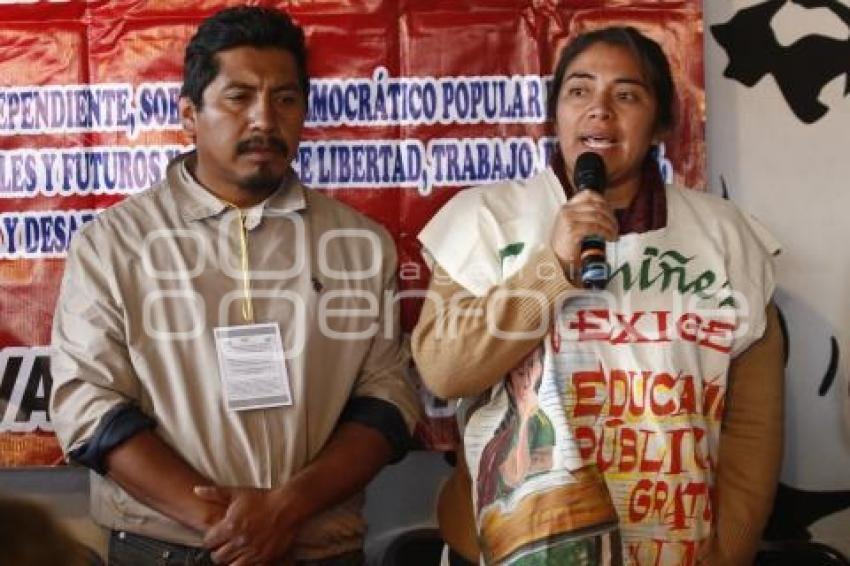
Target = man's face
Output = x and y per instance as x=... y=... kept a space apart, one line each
x=247 y=131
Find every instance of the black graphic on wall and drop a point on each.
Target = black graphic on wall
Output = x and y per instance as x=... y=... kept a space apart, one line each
x=796 y=510
x=801 y=70
x=831 y=370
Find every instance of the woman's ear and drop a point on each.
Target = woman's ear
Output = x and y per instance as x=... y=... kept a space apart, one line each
x=659 y=135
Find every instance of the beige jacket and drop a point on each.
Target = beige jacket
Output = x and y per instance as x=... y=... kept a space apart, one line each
x=145 y=285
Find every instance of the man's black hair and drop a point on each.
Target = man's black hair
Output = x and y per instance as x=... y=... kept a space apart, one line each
x=244 y=26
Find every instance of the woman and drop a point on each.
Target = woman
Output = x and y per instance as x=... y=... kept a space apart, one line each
x=523 y=443
x=638 y=378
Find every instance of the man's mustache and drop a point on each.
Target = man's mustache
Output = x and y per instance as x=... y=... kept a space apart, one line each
x=262 y=143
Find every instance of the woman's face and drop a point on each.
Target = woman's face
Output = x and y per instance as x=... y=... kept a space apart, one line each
x=606 y=105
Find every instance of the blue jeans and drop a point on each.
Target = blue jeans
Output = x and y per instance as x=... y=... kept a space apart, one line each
x=128 y=549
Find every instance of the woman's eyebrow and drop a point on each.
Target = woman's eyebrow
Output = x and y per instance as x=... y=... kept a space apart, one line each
x=579 y=75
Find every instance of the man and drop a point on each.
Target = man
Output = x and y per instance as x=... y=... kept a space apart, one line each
x=225 y=356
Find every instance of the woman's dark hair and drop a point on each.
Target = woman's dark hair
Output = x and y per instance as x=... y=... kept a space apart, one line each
x=244 y=26
x=30 y=535
x=649 y=54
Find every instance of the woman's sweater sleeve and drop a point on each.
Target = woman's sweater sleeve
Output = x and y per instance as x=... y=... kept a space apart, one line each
x=464 y=344
x=751 y=441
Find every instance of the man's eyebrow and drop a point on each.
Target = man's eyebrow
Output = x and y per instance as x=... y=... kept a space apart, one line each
x=235 y=83
x=238 y=84
x=293 y=85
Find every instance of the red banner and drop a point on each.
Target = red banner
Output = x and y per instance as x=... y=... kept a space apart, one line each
x=408 y=105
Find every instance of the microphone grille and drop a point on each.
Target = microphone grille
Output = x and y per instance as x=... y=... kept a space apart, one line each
x=589 y=172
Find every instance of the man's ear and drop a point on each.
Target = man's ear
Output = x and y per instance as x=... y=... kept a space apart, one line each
x=188 y=116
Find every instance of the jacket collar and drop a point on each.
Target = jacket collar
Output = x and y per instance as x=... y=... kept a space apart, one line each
x=196 y=203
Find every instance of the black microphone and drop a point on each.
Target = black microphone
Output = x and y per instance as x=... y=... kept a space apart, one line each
x=589 y=174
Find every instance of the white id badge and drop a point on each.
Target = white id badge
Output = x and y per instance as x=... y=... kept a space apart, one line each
x=252 y=366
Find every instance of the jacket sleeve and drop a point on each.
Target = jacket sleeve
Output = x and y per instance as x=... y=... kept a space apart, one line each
x=94 y=398
x=383 y=395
